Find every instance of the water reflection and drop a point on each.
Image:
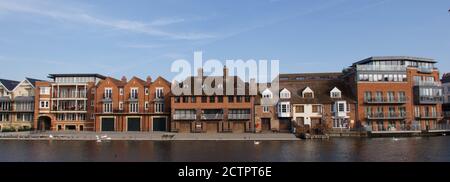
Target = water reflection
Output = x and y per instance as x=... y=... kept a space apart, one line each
x=338 y=149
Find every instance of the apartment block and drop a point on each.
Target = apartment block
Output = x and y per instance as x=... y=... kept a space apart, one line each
x=17 y=104
x=396 y=93
x=132 y=106
x=315 y=103
x=64 y=103
x=214 y=112
x=446 y=107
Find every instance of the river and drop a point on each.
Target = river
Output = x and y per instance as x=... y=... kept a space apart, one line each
x=335 y=149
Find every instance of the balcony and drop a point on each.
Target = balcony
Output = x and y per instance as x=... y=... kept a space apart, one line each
x=380 y=68
x=106 y=98
x=184 y=116
x=389 y=115
x=383 y=100
x=430 y=99
x=217 y=116
x=5 y=99
x=427 y=83
x=431 y=115
x=425 y=69
x=239 y=116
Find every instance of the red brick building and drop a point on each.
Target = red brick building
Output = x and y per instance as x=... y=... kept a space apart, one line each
x=213 y=112
x=64 y=103
x=396 y=93
x=135 y=105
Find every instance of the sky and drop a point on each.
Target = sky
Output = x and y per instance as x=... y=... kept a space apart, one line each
x=144 y=37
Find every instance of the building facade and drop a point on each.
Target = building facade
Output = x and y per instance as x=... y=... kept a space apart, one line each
x=66 y=102
x=132 y=106
x=17 y=104
x=446 y=107
x=196 y=110
x=396 y=93
x=315 y=103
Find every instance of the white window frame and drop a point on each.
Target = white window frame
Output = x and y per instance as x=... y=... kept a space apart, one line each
x=44 y=104
x=44 y=91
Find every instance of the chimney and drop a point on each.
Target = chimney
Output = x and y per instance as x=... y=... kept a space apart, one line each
x=200 y=72
x=225 y=71
x=149 y=79
x=124 y=79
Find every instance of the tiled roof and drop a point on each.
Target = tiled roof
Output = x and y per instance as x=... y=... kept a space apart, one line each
x=9 y=84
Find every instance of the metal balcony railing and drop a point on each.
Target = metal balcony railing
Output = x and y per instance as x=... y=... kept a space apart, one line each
x=427 y=83
x=238 y=116
x=212 y=116
x=431 y=115
x=425 y=69
x=184 y=116
x=389 y=115
x=386 y=100
x=380 y=68
x=431 y=99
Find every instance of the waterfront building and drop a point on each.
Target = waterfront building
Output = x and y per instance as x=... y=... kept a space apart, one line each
x=135 y=105
x=315 y=103
x=446 y=107
x=266 y=119
x=396 y=93
x=214 y=112
x=66 y=102
x=17 y=104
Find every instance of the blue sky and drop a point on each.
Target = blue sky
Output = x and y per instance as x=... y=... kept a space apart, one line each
x=143 y=37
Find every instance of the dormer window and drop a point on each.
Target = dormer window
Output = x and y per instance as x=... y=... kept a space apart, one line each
x=335 y=93
x=285 y=94
x=308 y=93
x=267 y=93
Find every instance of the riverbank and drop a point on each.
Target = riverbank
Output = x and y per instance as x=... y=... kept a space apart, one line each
x=155 y=136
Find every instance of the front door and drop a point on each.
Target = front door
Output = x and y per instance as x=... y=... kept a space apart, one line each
x=265 y=124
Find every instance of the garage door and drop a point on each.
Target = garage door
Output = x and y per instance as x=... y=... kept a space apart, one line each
x=211 y=127
x=107 y=124
x=238 y=127
x=134 y=124
x=159 y=124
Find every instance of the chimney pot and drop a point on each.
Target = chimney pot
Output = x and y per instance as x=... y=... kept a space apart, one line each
x=124 y=79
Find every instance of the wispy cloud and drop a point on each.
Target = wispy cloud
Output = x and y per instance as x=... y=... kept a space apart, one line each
x=142 y=46
x=153 y=28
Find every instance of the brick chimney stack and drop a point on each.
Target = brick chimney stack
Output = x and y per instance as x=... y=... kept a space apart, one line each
x=149 y=79
x=124 y=79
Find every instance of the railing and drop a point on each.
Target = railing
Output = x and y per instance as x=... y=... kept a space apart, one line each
x=447 y=114
x=427 y=83
x=238 y=116
x=133 y=97
x=212 y=116
x=72 y=108
x=431 y=115
x=184 y=116
x=442 y=126
x=389 y=115
x=425 y=69
x=431 y=99
x=380 y=68
x=384 y=100
x=69 y=95
x=402 y=127
x=107 y=97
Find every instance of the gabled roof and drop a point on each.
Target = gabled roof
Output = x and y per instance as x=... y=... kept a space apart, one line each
x=9 y=84
x=113 y=80
x=162 y=79
x=33 y=81
x=140 y=81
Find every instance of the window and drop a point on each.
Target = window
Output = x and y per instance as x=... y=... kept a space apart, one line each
x=230 y=99
x=121 y=106
x=107 y=107
x=341 y=107
x=134 y=93
x=220 y=99
x=146 y=105
x=176 y=99
x=185 y=99
x=204 y=99
x=159 y=107
x=146 y=91
x=265 y=109
x=285 y=94
x=284 y=108
x=212 y=99
x=267 y=94
x=45 y=91
x=308 y=95
x=159 y=93
x=367 y=96
x=92 y=103
x=335 y=94
x=238 y=98
x=134 y=107
x=390 y=96
x=121 y=91
x=247 y=98
x=193 y=99
x=108 y=93
x=316 y=108
x=299 y=109
x=44 y=104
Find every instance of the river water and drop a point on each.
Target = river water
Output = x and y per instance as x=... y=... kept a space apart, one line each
x=337 y=149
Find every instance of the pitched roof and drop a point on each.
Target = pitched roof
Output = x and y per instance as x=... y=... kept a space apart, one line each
x=140 y=81
x=33 y=81
x=321 y=89
x=9 y=84
x=113 y=80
